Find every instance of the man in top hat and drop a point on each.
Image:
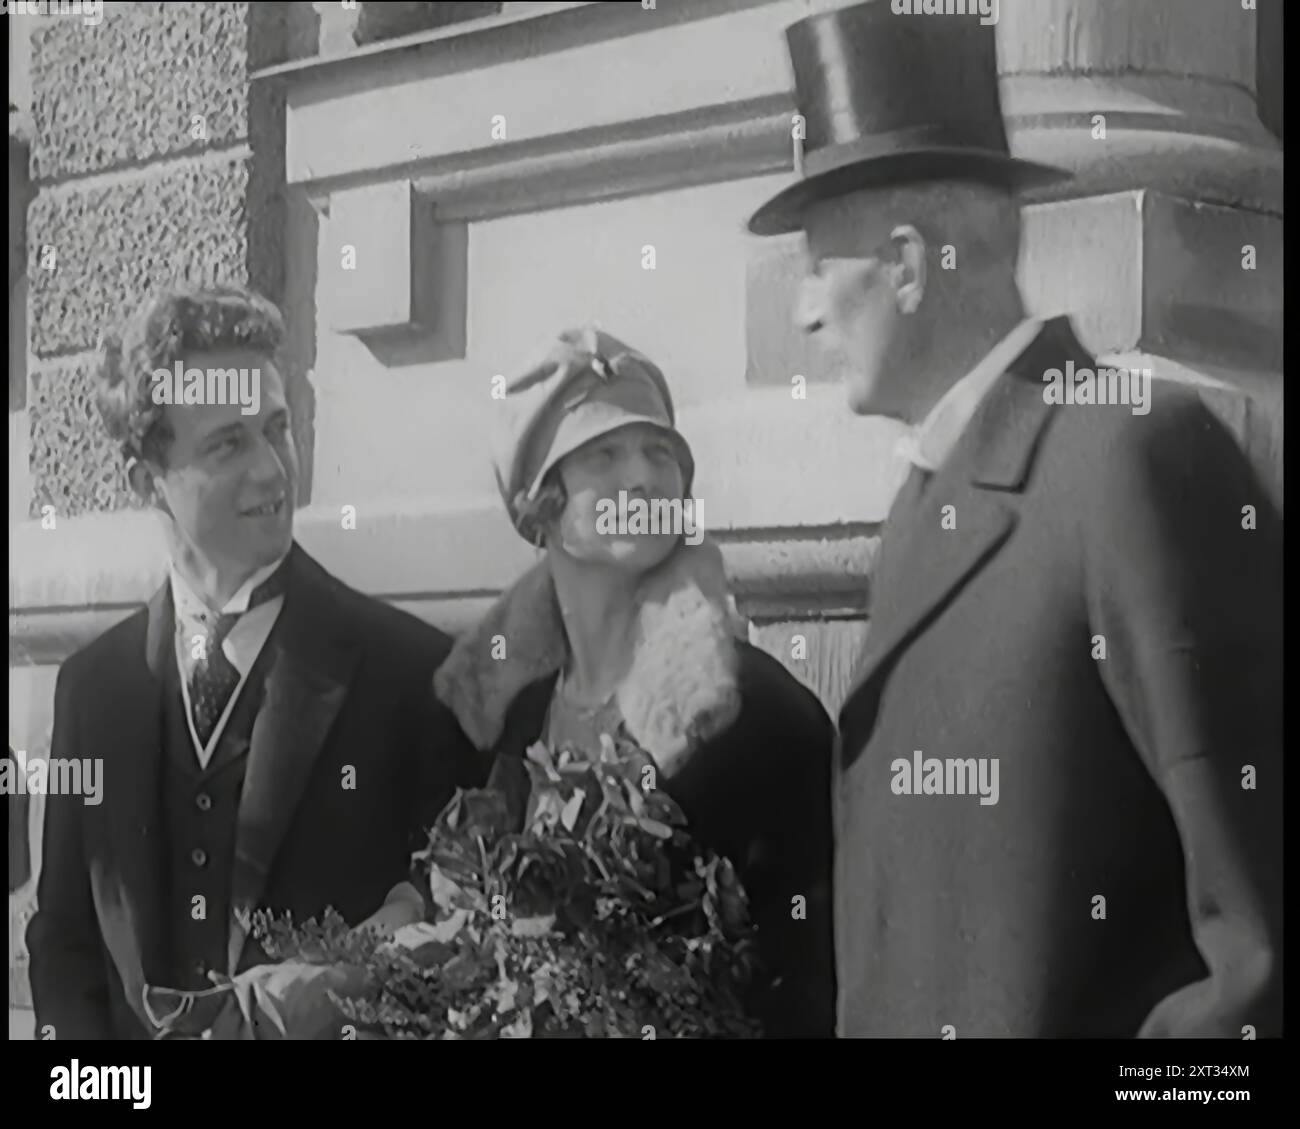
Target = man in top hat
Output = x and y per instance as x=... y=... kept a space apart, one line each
x=1059 y=775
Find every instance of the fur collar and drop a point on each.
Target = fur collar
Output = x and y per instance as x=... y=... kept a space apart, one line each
x=683 y=686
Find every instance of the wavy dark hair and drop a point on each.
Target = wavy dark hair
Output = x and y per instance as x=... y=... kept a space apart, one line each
x=166 y=327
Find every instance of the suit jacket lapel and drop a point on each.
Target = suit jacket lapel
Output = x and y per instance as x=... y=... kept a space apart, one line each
x=931 y=564
x=130 y=709
x=306 y=686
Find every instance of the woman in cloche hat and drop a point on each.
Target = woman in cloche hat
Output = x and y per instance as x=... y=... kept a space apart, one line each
x=613 y=629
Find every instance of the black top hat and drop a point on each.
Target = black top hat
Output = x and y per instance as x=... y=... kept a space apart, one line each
x=890 y=98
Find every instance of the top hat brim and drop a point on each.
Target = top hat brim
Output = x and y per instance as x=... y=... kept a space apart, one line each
x=784 y=212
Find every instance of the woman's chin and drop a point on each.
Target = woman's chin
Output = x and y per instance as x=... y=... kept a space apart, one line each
x=639 y=553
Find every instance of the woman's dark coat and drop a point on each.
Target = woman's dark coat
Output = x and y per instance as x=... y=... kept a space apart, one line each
x=745 y=750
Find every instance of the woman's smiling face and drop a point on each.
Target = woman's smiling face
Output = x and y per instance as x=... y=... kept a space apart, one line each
x=612 y=481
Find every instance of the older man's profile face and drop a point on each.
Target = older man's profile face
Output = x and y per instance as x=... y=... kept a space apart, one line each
x=848 y=302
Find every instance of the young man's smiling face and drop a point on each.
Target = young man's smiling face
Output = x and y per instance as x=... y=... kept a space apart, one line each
x=230 y=480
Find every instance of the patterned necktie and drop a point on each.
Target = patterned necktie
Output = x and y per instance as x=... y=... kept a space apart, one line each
x=214 y=677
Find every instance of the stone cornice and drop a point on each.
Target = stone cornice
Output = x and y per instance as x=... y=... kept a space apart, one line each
x=492 y=39
x=671 y=151
x=1179 y=115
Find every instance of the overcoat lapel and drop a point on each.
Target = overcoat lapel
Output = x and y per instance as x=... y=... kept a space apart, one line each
x=927 y=566
x=939 y=563
x=306 y=686
x=130 y=709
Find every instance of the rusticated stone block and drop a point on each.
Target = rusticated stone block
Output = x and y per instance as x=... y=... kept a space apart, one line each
x=126 y=90
x=76 y=468
x=114 y=244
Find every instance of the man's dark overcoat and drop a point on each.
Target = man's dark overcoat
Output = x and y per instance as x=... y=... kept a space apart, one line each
x=1100 y=610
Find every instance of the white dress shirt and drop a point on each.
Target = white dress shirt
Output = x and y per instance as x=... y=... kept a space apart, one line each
x=241 y=646
x=931 y=442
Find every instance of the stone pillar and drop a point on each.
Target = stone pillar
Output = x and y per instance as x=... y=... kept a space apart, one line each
x=1167 y=245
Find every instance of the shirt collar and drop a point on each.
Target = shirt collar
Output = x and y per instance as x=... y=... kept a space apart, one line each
x=929 y=444
x=190 y=606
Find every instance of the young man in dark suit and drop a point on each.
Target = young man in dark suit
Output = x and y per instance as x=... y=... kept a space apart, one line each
x=1058 y=805
x=269 y=737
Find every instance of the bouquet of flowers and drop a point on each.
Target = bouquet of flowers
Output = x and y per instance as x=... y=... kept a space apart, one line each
x=571 y=901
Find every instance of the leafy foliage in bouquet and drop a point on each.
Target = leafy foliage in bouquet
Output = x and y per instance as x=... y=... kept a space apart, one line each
x=571 y=900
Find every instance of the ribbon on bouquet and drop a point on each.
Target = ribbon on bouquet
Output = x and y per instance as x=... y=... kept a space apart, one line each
x=294 y=999
x=232 y=1009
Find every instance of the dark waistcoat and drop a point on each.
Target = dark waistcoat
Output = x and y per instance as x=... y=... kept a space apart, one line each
x=199 y=806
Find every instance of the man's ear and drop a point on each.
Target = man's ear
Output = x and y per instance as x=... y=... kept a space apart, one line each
x=909 y=271
x=144 y=481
